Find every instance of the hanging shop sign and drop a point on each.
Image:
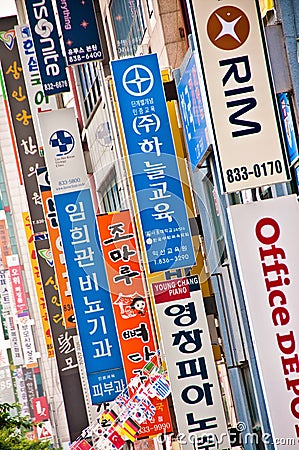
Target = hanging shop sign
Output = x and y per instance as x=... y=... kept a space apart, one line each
x=288 y=125
x=131 y=306
x=265 y=234
x=79 y=31
x=193 y=106
x=17 y=284
x=38 y=101
x=83 y=256
x=190 y=362
x=241 y=92
x=51 y=62
x=153 y=162
x=56 y=247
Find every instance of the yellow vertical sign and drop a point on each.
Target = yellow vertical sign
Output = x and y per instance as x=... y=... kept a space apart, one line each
x=38 y=285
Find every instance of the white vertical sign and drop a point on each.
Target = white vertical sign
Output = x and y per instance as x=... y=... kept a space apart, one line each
x=190 y=362
x=266 y=240
x=241 y=93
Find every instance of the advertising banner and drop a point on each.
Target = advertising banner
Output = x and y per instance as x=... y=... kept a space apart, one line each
x=25 y=328
x=5 y=248
x=41 y=409
x=14 y=338
x=49 y=55
x=153 y=162
x=56 y=247
x=190 y=362
x=265 y=234
x=38 y=286
x=7 y=394
x=288 y=125
x=30 y=388
x=83 y=255
x=17 y=284
x=190 y=96
x=21 y=118
x=131 y=306
x=4 y=344
x=241 y=93
x=91 y=297
x=37 y=99
x=64 y=156
x=79 y=31
x=21 y=391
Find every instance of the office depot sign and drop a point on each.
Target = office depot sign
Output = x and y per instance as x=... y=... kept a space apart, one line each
x=241 y=93
x=266 y=240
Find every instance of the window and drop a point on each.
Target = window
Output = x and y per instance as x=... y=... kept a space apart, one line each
x=90 y=85
x=129 y=25
x=110 y=199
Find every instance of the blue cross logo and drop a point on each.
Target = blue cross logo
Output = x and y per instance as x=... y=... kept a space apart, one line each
x=63 y=141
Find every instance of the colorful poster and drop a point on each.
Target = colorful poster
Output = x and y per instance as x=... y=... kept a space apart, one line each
x=79 y=31
x=194 y=382
x=265 y=235
x=154 y=167
x=131 y=306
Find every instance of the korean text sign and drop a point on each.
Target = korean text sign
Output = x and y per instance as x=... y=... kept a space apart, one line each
x=153 y=163
x=266 y=241
x=191 y=367
x=131 y=306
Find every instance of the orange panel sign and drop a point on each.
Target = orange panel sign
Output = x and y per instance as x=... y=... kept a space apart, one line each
x=131 y=307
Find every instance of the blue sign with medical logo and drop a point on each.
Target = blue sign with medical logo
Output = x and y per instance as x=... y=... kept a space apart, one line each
x=153 y=163
x=79 y=31
x=91 y=297
x=51 y=62
x=193 y=114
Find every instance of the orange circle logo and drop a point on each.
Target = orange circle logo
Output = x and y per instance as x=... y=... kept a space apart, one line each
x=228 y=27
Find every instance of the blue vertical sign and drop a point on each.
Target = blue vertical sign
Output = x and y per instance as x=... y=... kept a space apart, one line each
x=288 y=126
x=45 y=36
x=193 y=114
x=79 y=31
x=153 y=162
x=92 y=302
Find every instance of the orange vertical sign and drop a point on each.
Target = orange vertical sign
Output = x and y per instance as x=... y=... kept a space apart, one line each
x=38 y=285
x=131 y=306
x=57 y=251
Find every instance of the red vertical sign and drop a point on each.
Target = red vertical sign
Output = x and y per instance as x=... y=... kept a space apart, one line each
x=131 y=307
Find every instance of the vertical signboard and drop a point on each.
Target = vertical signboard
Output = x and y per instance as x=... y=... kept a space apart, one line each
x=6 y=386
x=38 y=286
x=191 y=367
x=14 y=338
x=153 y=163
x=266 y=241
x=79 y=31
x=45 y=36
x=288 y=125
x=56 y=247
x=17 y=285
x=25 y=328
x=5 y=248
x=30 y=388
x=83 y=256
x=41 y=409
x=37 y=99
x=241 y=93
x=21 y=119
x=131 y=307
x=190 y=96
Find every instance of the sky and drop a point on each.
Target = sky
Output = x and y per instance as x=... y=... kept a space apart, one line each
x=8 y=8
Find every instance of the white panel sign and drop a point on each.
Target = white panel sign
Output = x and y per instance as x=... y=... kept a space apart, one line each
x=266 y=240
x=190 y=362
x=241 y=93
x=63 y=150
